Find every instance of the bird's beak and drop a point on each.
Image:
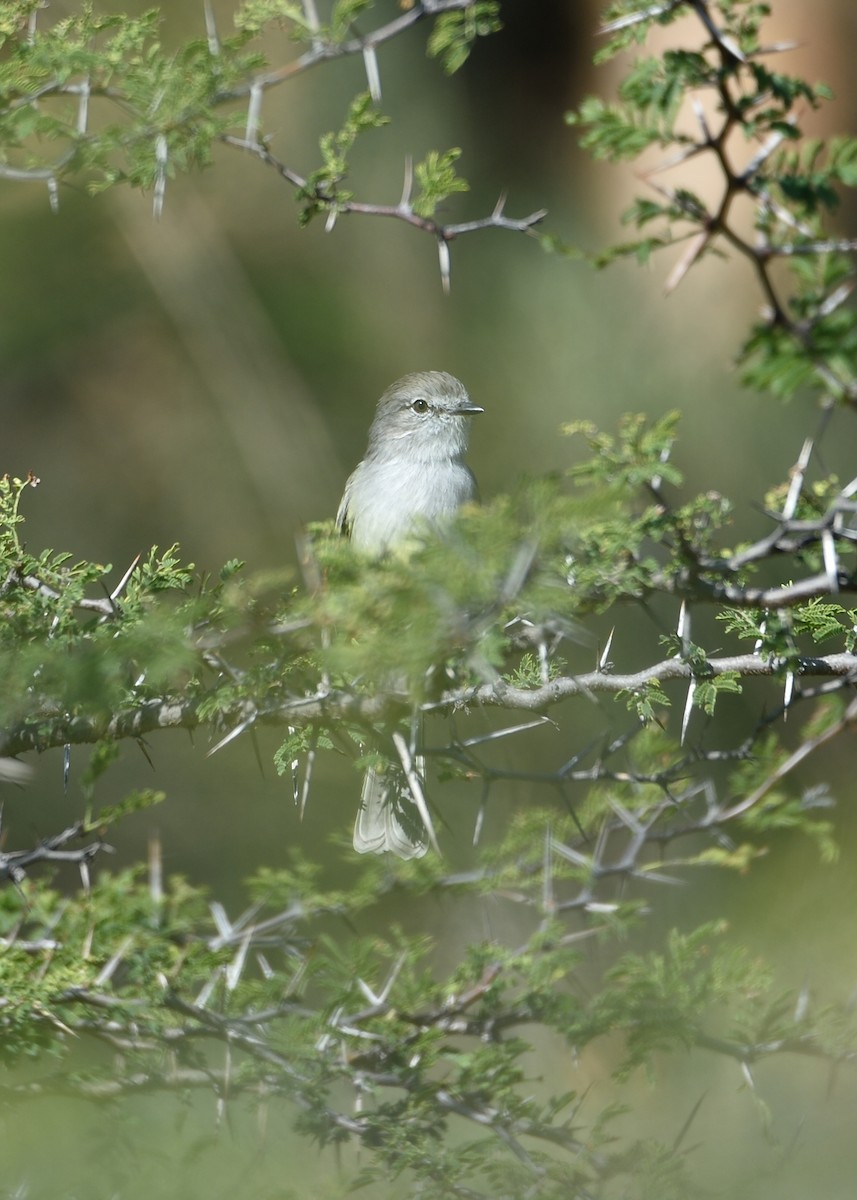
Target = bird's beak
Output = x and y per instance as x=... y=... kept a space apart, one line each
x=468 y=409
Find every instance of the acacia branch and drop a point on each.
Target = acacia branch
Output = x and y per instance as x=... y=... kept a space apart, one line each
x=49 y=730
x=763 y=251
x=324 y=50
x=403 y=211
x=13 y=863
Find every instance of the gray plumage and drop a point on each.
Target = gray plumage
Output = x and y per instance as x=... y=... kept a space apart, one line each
x=413 y=475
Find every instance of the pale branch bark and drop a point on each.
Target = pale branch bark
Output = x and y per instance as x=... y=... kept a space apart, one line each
x=504 y=695
x=52 y=729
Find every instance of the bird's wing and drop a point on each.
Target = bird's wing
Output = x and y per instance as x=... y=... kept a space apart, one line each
x=343 y=525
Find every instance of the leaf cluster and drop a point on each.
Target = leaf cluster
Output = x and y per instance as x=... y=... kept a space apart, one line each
x=436 y=1053
x=455 y=33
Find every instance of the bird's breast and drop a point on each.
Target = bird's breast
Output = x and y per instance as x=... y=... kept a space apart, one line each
x=389 y=499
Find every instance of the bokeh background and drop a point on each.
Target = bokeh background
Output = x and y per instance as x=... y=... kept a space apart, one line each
x=208 y=379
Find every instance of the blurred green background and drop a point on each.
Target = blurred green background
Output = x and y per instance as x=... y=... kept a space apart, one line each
x=209 y=379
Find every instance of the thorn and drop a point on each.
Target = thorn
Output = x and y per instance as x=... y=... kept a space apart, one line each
x=83 y=107
x=548 y=901
x=646 y=14
x=777 y=48
x=802 y=1003
x=445 y=266
x=207 y=988
x=53 y=194
x=221 y=920
x=106 y=972
x=571 y=855
x=368 y=994
x=156 y=872
x=766 y=150
x=236 y=967
x=294 y=763
x=500 y=205
x=330 y=222
x=831 y=562
x=695 y=248
x=233 y=733
x=407 y=185
x=373 y=76
x=758 y=643
x=721 y=39
x=663 y=458
x=688 y=708
x=798 y=474
x=671 y=160
x=121 y=585
x=506 y=731
x=161 y=158
x=605 y=653
x=683 y=627
x=788 y=693
x=66 y=767
x=627 y=818
x=480 y=821
x=310 y=763
x=254 y=115
x=836 y=299
x=211 y=29
x=311 y=16
x=415 y=788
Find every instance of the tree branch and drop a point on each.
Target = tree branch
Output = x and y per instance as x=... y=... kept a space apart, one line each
x=50 y=730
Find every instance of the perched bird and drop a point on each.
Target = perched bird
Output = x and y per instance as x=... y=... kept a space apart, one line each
x=413 y=474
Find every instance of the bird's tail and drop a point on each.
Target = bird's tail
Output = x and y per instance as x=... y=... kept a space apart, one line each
x=388 y=820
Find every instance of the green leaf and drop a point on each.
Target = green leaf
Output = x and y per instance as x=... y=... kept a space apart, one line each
x=437 y=181
x=454 y=33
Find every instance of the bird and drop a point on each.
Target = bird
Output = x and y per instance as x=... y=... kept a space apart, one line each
x=413 y=475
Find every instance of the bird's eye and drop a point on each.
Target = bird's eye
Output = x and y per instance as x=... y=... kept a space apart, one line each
x=420 y=406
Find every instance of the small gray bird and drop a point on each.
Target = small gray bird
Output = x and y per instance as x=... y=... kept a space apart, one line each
x=413 y=475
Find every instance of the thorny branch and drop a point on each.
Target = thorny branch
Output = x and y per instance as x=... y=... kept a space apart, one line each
x=364 y=1045
x=54 y=849
x=322 y=48
x=52 y=729
x=763 y=251
x=324 y=51
x=403 y=211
